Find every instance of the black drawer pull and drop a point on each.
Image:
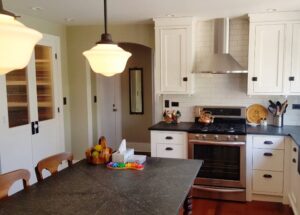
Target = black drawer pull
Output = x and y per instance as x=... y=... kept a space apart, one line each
x=169 y=149
x=295 y=149
x=294 y=160
x=267 y=176
x=268 y=154
x=268 y=142
x=169 y=138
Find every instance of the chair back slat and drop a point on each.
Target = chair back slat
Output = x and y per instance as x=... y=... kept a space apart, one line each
x=7 y=180
x=51 y=164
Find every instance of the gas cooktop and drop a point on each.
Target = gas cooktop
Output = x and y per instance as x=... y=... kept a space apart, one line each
x=219 y=128
x=228 y=120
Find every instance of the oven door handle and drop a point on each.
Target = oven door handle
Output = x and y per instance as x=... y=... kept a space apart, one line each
x=206 y=142
x=221 y=190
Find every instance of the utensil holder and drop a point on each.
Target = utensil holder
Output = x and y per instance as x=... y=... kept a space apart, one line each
x=278 y=121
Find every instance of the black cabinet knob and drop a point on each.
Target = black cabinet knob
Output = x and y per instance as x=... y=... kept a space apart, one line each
x=169 y=149
x=267 y=176
x=268 y=142
x=268 y=154
x=254 y=78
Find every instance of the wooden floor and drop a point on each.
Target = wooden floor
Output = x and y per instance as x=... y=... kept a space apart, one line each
x=210 y=207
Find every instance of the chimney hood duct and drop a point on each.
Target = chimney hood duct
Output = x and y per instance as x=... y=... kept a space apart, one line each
x=221 y=62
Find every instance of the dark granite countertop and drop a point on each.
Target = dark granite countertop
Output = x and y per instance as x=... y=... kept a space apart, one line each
x=85 y=189
x=293 y=131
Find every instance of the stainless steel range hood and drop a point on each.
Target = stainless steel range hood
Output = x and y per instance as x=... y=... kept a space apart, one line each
x=220 y=62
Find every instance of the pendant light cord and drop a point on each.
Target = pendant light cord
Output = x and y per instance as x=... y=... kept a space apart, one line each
x=105 y=37
x=105 y=16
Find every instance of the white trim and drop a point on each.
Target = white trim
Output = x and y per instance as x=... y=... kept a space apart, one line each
x=293 y=205
x=89 y=104
x=275 y=16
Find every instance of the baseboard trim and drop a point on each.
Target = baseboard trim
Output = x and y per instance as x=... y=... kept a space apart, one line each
x=293 y=206
x=267 y=198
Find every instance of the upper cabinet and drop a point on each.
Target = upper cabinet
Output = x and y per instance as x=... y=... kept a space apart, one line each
x=174 y=55
x=274 y=44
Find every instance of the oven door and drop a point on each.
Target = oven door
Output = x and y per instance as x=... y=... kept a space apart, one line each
x=224 y=163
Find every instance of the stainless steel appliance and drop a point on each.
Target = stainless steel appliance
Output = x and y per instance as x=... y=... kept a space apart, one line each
x=222 y=146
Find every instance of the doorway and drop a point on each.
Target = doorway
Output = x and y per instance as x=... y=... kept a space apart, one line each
x=115 y=119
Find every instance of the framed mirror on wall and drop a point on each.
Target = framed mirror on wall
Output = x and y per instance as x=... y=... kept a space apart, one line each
x=136 y=97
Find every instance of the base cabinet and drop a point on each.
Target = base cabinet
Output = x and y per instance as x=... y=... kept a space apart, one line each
x=169 y=144
x=272 y=170
x=268 y=165
x=294 y=189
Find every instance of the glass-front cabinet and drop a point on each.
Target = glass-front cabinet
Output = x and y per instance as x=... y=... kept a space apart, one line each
x=44 y=81
x=30 y=123
x=17 y=98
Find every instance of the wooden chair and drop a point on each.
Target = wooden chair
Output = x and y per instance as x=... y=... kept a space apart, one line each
x=51 y=164
x=7 y=180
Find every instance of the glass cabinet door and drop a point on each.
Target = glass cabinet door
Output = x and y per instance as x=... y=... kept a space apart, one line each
x=44 y=82
x=17 y=98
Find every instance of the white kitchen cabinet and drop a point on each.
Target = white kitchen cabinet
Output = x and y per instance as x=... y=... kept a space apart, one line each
x=174 y=55
x=31 y=110
x=274 y=43
x=169 y=144
x=268 y=170
x=293 y=79
x=294 y=189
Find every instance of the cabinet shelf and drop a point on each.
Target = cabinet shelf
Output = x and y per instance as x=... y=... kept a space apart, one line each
x=43 y=83
x=42 y=61
x=17 y=104
x=16 y=83
x=44 y=104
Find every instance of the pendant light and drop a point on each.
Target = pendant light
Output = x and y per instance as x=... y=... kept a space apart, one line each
x=106 y=57
x=16 y=42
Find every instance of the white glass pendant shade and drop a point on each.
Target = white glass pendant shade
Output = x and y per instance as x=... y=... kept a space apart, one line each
x=16 y=44
x=107 y=59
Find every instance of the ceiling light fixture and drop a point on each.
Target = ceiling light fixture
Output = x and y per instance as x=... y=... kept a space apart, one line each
x=106 y=57
x=16 y=42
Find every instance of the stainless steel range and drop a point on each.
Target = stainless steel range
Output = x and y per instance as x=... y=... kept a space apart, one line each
x=222 y=146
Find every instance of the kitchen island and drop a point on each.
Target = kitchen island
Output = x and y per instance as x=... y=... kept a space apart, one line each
x=161 y=188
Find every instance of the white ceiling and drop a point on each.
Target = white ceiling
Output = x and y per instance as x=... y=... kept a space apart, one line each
x=89 y=12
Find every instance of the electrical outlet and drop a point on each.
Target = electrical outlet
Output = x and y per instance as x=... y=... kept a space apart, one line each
x=167 y=103
x=175 y=104
x=296 y=106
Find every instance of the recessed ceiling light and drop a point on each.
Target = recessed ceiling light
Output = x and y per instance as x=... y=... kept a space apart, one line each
x=69 y=19
x=37 y=8
x=271 y=10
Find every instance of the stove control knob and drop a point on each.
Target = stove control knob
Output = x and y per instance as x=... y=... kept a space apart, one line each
x=228 y=137
x=204 y=136
x=236 y=137
x=216 y=137
x=197 y=136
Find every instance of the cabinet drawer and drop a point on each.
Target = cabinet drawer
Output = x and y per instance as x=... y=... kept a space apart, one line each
x=267 y=182
x=169 y=137
x=268 y=159
x=268 y=142
x=170 y=151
